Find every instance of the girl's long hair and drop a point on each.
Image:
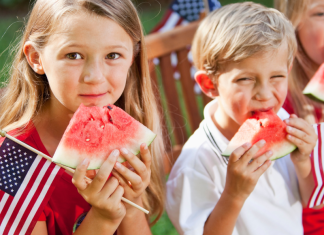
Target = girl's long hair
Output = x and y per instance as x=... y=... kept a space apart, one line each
x=27 y=92
x=303 y=67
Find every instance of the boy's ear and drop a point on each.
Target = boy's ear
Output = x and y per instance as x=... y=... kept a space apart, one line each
x=33 y=58
x=206 y=84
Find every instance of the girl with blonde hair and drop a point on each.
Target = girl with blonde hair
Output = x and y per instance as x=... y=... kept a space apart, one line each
x=90 y=52
x=307 y=16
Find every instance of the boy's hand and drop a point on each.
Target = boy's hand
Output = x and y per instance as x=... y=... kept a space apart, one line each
x=136 y=176
x=104 y=195
x=242 y=173
x=303 y=136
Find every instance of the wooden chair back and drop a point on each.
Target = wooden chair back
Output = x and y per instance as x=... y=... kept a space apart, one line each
x=181 y=106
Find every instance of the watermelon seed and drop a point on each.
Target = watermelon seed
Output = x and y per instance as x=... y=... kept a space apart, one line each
x=109 y=107
x=87 y=139
x=110 y=120
x=91 y=119
x=102 y=127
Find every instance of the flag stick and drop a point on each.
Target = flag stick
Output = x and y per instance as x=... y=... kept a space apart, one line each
x=4 y=134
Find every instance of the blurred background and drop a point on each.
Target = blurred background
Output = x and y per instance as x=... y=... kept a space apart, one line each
x=13 y=14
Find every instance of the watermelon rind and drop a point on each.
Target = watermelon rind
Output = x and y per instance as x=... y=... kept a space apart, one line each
x=279 y=150
x=315 y=88
x=313 y=93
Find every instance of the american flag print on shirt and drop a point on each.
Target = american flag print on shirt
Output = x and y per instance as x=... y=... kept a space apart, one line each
x=27 y=181
x=317 y=159
x=182 y=12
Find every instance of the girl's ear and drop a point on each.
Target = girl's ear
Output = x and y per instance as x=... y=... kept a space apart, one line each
x=33 y=58
x=205 y=83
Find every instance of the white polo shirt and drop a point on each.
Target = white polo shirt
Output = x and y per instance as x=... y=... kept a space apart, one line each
x=197 y=181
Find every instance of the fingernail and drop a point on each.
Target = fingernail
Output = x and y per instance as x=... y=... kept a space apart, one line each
x=287 y=121
x=117 y=165
x=269 y=153
x=262 y=142
x=246 y=145
x=85 y=162
x=115 y=153
x=144 y=146
x=289 y=128
x=124 y=151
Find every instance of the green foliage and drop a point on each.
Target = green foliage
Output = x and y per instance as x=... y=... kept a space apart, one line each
x=11 y=3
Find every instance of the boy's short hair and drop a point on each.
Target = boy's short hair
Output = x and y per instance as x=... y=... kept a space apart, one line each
x=238 y=31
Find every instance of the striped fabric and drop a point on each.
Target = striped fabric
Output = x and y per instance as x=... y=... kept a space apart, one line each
x=317 y=159
x=26 y=181
x=181 y=12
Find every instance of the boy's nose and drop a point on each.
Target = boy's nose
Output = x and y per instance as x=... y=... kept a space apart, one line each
x=263 y=93
x=93 y=73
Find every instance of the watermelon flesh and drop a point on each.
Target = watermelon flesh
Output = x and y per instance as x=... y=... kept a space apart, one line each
x=267 y=126
x=315 y=87
x=94 y=132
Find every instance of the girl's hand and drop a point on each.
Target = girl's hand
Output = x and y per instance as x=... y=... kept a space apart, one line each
x=242 y=173
x=303 y=136
x=104 y=195
x=134 y=181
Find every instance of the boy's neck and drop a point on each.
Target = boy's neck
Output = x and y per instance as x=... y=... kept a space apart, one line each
x=226 y=126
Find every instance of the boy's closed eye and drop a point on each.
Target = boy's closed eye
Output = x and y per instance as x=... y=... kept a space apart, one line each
x=318 y=14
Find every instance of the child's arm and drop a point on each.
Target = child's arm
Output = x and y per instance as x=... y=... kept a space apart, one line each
x=107 y=210
x=304 y=137
x=134 y=221
x=242 y=176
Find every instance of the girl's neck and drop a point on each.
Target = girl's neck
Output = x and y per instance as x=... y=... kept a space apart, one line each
x=51 y=124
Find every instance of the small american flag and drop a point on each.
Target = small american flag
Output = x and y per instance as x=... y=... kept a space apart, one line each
x=317 y=159
x=27 y=181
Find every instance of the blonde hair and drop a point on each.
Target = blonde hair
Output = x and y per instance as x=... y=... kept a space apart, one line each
x=27 y=91
x=303 y=67
x=238 y=31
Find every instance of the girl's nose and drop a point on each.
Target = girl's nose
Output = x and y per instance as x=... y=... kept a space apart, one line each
x=94 y=72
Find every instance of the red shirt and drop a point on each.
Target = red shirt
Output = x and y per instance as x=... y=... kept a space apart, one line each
x=313 y=220
x=66 y=206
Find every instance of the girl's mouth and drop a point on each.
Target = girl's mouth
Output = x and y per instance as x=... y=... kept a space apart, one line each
x=92 y=95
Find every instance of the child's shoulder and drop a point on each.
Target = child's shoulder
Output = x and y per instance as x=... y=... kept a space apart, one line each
x=200 y=153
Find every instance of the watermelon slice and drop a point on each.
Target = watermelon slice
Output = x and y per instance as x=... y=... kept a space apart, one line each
x=315 y=87
x=94 y=132
x=267 y=126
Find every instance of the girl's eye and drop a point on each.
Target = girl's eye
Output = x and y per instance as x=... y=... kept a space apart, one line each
x=74 y=56
x=113 y=56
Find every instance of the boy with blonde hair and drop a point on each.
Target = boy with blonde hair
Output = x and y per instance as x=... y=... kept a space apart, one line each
x=243 y=53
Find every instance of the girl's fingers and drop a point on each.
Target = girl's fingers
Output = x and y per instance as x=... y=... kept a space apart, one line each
x=259 y=161
x=110 y=186
x=78 y=176
x=100 y=179
x=146 y=155
x=132 y=177
x=250 y=154
x=237 y=153
x=122 y=181
x=139 y=166
x=117 y=194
